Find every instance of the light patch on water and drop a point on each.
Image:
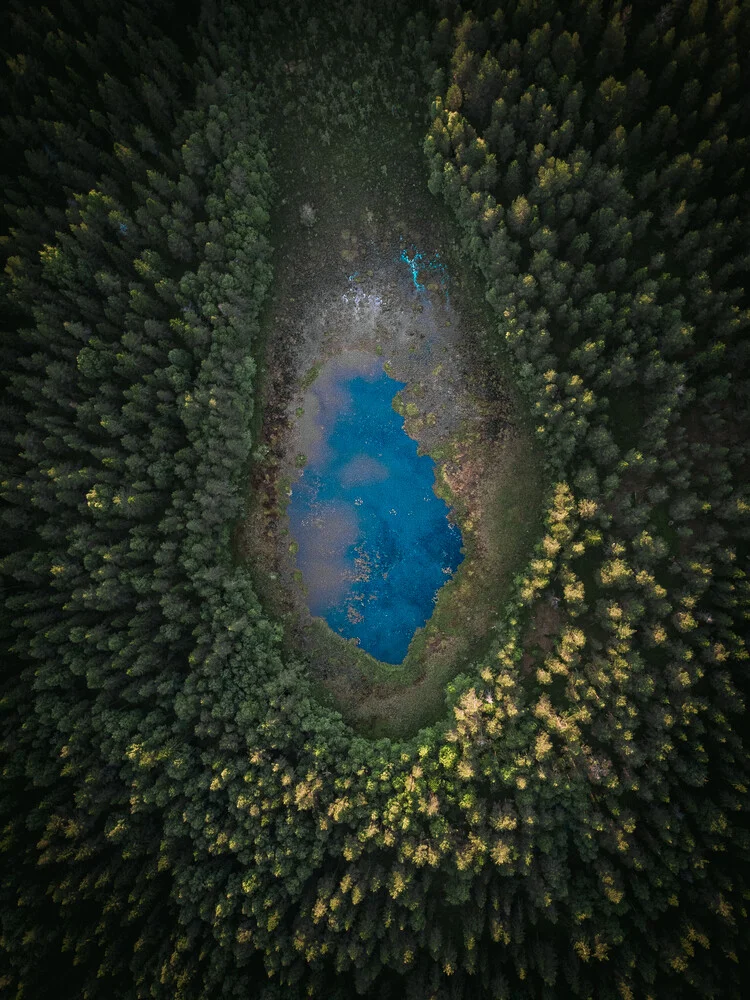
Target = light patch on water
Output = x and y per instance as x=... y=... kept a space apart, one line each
x=329 y=530
x=363 y=469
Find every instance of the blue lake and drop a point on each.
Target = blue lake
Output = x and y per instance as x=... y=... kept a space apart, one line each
x=375 y=542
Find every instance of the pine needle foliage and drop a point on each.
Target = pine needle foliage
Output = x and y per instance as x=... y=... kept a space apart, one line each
x=180 y=817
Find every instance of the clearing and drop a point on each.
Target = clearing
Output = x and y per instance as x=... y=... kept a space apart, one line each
x=368 y=261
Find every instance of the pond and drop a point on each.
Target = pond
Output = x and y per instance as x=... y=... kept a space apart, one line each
x=375 y=543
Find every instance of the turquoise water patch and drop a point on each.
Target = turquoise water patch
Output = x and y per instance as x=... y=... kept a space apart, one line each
x=425 y=266
x=375 y=544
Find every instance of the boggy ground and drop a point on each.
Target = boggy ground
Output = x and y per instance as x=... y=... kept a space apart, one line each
x=342 y=286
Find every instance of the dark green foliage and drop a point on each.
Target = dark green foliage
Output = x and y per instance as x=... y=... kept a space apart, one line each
x=140 y=298
x=180 y=817
x=612 y=242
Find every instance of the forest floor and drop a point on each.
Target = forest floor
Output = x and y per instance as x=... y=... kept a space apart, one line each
x=350 y=281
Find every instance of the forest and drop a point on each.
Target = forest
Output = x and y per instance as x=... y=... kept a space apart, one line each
x=186 y=810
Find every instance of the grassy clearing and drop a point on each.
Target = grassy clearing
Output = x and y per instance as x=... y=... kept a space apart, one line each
x=492 y=481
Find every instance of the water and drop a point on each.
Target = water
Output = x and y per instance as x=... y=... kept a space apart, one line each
x=375 y=542
x=419 y=265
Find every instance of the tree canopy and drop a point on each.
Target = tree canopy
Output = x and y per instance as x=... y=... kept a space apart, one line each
x=180 y=816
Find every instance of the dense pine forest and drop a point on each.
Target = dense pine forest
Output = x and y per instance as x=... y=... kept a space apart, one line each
x=183 y=814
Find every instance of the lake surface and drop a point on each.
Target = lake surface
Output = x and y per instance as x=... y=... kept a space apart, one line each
x=375 y=542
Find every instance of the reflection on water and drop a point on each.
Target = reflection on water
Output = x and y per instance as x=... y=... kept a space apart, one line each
x=375 y=543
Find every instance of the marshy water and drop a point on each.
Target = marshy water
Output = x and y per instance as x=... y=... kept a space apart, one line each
x=375 y=543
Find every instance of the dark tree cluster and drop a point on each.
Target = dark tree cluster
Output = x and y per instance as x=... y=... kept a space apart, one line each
x=596 y=159
x=180 y=817
x=136 y=264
